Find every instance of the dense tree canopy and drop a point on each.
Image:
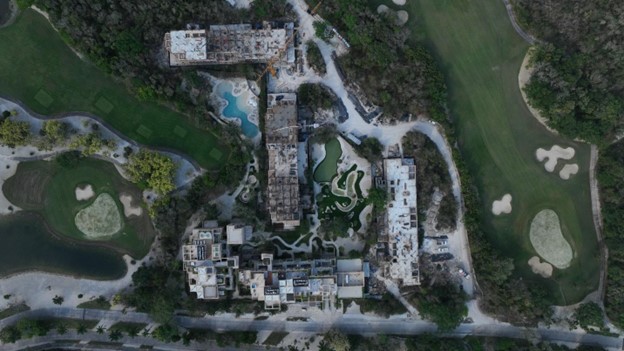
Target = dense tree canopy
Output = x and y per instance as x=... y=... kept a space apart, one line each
x=14 y=133
x=152 y=170
x=578 y=82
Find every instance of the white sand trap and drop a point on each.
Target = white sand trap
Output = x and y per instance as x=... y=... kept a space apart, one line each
x=548 y=241
x=502 y=206
x=553 y=155
x=399 y=2
x=382 y=8
x=129 y=210
x=99 y=220
x=402 y=17
x=84 y=193
x=544 y=269
x=568 y=170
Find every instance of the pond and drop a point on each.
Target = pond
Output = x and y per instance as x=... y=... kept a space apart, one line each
x=326 y=170
x=237 y=108
x=27 y=245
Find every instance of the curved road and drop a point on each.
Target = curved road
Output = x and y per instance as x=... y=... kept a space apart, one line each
x=350 y=324
x=514 y=22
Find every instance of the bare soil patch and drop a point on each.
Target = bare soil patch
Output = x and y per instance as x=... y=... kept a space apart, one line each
x=502 y=206
x=568 y=170
x=84 y=193
x=129 y=210
x=101 y=219
x=544 y=269
x=553 y=155
x=548 y=241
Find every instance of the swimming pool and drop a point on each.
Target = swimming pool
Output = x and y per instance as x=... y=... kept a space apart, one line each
x=237 y=108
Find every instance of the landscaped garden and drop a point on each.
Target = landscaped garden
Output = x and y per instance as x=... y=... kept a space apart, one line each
x=341 y=200
x=87 y=201
x=40 y=70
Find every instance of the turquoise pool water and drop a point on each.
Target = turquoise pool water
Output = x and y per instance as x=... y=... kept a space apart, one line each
x=234 y=110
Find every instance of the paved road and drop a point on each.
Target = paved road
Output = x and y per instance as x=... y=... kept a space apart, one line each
x=351 y=324
x=514 y=22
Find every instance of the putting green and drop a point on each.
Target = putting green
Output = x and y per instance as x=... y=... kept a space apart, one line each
x=46 y=188
x=40 y=70
x=481 y=56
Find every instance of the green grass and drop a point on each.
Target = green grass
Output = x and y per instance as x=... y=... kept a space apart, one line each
x=48 y=188
x=326 y=199
x=326 y=170
x=15 y=309
x=39 y=69
x=481 y=55
x=275 y=338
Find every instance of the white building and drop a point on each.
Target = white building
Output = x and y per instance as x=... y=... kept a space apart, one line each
x=402 y=220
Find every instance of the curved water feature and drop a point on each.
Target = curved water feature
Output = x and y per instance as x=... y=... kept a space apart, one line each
x=237 y=107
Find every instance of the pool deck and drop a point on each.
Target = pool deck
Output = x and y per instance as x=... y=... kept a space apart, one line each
x=239 y=89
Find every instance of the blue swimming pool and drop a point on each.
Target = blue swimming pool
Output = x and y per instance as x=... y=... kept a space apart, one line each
x=233 y=110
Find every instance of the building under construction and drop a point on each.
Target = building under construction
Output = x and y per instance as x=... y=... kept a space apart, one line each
x=230 y=44
x=281 y=143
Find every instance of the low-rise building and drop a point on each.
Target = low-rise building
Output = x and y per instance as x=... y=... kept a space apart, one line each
x=231 y=44
x=208 y=260
x=277 y=282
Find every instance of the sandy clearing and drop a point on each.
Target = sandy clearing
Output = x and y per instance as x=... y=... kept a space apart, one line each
x=548 y=241
x=568 y=170
x=129 y=210
x=544 y=269
x=99 y=220
x=84 y=193
x=502 y=206
x=399 y=2
x=7 y=170
x=402 y=17
x=382 y=8
x=553 y=155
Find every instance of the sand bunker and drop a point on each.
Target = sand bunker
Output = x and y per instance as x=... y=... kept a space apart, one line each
x=548 y=241
x=568 y=170
x=502 y=206
x=399 y=2
x=553 y=155
x=402 y=17
x=382 y=8
x=544 y=269
x=101 y=219
x=84 y=193
x=129 y=210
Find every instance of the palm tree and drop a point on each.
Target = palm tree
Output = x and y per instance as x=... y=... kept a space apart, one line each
x=132 y=331
x=115 y=335
x=81 y=329
x=61 y=328
x=146 y=332
x=100 y=329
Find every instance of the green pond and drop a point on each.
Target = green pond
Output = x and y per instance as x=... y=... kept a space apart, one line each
x=27 y=245
x=326 y=170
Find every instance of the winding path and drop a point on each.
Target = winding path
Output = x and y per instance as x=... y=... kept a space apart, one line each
x=514 y=22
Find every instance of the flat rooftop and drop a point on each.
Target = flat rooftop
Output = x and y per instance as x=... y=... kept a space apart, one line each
x=402 y=220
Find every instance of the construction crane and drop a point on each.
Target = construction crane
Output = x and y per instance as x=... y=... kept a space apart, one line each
x=274 y=59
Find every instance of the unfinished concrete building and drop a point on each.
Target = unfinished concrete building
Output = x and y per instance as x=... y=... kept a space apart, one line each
x=230 y=44
x=281 y=143
x=402 y=221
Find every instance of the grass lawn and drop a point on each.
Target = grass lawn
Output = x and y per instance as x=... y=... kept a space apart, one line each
x=327 y=200
x=48 y=188
x=96 y=304
x=15 y=309
x=40 y=70
x=480 y=55
x=275 y=338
